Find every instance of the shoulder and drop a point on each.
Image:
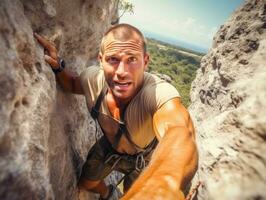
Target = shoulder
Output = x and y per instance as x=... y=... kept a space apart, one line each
x=179 y=117
x=153 y=81
x=90 y=72
x=157 y=91
x=93 y=75
x=92 y=80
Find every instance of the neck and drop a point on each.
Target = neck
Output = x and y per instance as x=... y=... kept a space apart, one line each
x=115 y=105
x=116 y=102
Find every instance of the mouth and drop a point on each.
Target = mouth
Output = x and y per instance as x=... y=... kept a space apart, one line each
x=122 y=85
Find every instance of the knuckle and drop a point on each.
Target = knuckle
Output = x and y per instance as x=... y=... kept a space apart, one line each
x=54 y=56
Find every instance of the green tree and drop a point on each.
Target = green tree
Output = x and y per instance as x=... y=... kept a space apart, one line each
x=123 y=6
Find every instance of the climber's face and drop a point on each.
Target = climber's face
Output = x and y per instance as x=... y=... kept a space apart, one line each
x=124 y=63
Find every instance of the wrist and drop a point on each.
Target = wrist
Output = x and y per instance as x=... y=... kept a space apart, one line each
x=61 y=67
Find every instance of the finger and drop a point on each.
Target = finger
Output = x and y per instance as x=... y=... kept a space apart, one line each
x=51 y=54
x=45 y=43
x=51 y=61
x=42 y=40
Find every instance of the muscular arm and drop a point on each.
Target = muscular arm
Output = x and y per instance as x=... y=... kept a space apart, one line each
x=174 y=161
x=69 y=81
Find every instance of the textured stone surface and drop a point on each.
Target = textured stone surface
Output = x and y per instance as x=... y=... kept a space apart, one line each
x=229 y=107
x=45 y=133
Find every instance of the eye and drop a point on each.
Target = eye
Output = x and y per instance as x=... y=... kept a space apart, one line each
x=132 y=59
x=112 y=60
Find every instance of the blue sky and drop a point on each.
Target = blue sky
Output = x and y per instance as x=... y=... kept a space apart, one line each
x=181 y=21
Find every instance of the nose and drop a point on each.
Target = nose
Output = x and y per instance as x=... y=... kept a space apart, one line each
x=121 y=71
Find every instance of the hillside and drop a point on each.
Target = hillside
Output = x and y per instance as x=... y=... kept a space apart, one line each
x=178 y=63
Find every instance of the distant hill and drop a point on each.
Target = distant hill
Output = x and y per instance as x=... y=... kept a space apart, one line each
x=175 y=41
x=179 y=64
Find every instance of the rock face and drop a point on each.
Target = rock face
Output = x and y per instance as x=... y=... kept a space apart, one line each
x=45 y=133
x=229 y=107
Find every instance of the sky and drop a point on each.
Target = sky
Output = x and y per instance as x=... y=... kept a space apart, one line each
x=188 y=23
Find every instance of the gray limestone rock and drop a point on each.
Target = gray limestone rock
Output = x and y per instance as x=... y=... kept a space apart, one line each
x=45 y=133
x=229 y=109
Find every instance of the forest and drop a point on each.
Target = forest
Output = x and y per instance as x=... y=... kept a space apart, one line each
x=175 y=64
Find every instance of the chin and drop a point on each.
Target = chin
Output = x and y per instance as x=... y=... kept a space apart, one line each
x=122 y=96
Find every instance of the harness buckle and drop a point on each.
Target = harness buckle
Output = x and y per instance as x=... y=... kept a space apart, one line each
x=140 y=162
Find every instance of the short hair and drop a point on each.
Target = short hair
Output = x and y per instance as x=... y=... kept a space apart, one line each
x=124 y=31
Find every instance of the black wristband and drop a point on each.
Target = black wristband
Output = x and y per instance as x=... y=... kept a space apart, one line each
x=61 y=66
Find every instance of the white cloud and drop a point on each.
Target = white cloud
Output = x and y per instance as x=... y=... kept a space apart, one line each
x=186 y=29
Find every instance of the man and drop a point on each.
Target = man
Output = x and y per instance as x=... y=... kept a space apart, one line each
x=134 y=110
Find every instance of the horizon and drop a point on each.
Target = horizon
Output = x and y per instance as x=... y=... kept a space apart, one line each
x=177 y=43
x=187 y=23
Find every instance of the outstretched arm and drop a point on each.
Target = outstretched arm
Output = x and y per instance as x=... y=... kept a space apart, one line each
x=68 y=80
x=174 y=161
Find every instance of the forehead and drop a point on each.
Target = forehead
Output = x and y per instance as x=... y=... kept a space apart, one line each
x=132 y=45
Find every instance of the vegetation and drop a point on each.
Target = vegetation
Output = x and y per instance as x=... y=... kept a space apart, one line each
x=123 y=6
x=178 y=63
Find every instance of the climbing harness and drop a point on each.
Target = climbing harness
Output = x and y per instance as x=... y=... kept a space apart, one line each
x=139 y=158
x=122 y=129
x=115 y=157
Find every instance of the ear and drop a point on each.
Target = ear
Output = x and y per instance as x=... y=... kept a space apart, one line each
x=100 y=57
x=146 y=61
